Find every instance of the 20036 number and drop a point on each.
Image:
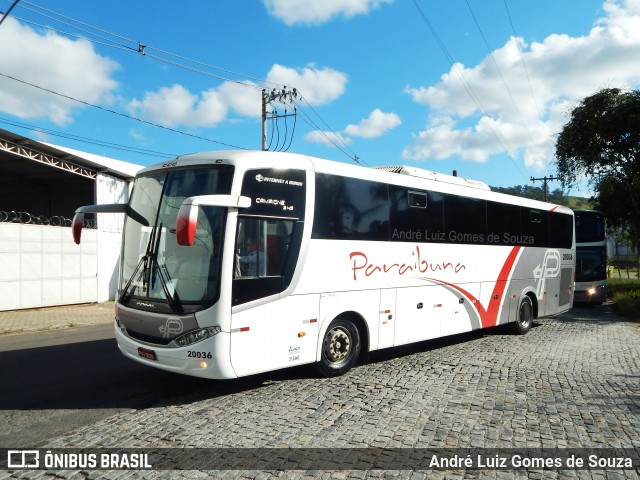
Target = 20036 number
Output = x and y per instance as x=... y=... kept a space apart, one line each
x=192 y=354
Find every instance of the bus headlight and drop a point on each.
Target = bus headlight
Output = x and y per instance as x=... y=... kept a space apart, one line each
x=195 y=336
x=597 y=290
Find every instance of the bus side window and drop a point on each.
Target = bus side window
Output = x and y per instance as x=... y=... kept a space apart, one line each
x=261 y=253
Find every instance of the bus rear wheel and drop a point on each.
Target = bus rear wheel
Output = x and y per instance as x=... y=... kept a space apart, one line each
x=524 y=322
x=340 y=348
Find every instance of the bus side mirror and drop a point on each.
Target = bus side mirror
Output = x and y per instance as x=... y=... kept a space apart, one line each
x=76 y=226
x=188 y=214
x=78 y=219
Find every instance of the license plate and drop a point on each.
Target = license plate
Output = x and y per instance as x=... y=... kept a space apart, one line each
x=146 y=353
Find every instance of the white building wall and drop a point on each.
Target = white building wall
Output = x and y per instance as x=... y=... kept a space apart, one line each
x=109 y=190
x=41 y=266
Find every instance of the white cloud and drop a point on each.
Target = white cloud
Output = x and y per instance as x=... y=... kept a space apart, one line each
x=243 y=99
x=317 y=86
x=373 y=126
x=174 y=106
x=139 y=136
x=330 y=139
x=292 y=12
x=562 y=70
x=54 y=62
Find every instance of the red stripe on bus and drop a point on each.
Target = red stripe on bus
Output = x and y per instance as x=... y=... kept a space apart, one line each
x=489 y=316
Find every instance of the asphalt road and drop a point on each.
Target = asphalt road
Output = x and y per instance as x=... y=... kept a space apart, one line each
x=55 y=381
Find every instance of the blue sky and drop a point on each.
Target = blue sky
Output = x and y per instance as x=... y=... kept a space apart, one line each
x=477 y=86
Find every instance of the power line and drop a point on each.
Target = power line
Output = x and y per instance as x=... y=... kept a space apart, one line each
x=8 y=11
x=504 y=82
x=143 y=49
x=130 y=117
x=545 y=180
x=351 y=154
x=92 y=141
x=524 y=66
x=466 y=86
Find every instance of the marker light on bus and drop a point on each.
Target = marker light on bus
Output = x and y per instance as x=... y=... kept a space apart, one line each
x=195 y=336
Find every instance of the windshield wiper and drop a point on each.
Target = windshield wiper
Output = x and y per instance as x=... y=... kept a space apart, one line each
x=133 y=275
x=143 y=261
x=173 y=301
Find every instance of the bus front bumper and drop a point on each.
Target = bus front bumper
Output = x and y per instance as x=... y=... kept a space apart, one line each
x=593 y=295
x=207 y=359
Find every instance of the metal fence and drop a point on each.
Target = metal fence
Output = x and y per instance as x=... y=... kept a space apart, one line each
x=54 y=221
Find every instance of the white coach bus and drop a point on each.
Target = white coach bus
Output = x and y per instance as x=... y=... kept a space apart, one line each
x=235 y=263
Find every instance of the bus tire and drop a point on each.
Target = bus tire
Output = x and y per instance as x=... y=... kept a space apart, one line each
x=524 y=321
x=340 y=348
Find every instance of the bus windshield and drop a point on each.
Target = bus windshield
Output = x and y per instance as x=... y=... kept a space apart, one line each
x=154 y=267
x=589 y=226
x=591 y=263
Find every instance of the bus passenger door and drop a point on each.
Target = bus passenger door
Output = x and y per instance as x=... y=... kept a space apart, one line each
x=387 y=322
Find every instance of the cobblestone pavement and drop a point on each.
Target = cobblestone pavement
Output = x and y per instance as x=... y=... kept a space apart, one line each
x=571 y=382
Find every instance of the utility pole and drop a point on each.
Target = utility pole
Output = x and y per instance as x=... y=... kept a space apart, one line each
x=545 y=180
x=282 y=96
x=265 y=97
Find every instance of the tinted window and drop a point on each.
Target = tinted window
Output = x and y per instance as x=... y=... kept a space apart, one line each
x=274 y=192
x=560 y=230
x=589 y=226
x=417 y=199
x=465 y=219
x=350 y=209
x=503 y=223
x=535 y=228
x=409 y=221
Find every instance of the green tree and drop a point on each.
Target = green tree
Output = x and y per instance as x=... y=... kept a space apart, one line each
x=601 y=142
x=556 y=196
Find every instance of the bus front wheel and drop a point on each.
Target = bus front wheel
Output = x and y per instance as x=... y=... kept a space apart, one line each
x=524 y=322
x=340 y=348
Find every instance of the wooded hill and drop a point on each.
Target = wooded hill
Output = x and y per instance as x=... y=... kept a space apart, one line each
x=537 y=193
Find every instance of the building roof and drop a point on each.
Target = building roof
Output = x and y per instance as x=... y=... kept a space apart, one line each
x=69 y=159
x=110 y=164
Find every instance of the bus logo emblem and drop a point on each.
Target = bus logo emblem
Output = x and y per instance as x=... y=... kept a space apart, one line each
x=173 y=326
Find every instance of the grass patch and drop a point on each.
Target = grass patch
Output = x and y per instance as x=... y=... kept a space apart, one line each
x=625 y=294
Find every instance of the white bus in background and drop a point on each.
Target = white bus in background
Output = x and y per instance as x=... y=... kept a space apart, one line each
x=591 y=257
x=348 y=260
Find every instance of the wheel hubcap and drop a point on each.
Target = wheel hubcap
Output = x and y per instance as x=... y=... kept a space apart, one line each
x=337 y=345
x=525 y=315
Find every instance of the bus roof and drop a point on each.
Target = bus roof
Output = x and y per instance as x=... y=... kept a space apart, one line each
x=412 y=177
